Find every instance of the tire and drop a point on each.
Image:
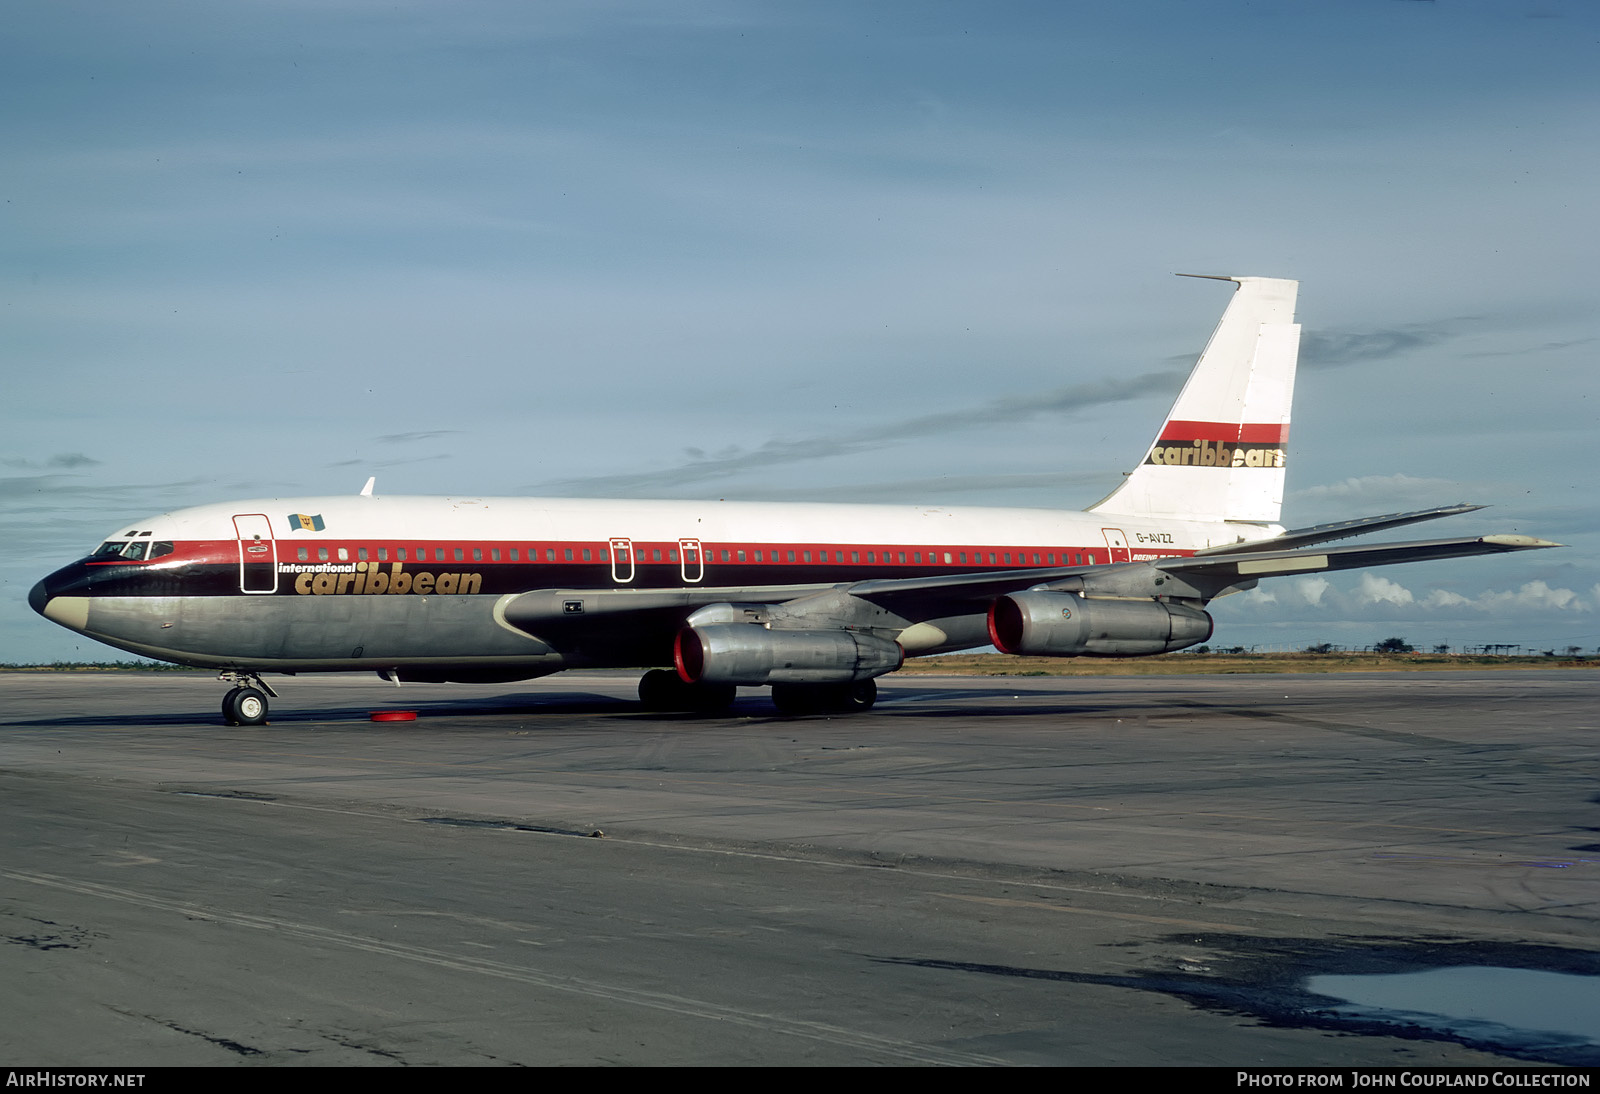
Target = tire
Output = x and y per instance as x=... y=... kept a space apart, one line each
x=711 y=698
x=660 y=690
x=663 y=690
x=855 y=697
x=796 y=699
x=245 y=707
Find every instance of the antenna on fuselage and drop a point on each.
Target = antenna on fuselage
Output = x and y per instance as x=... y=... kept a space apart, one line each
x=366 y=491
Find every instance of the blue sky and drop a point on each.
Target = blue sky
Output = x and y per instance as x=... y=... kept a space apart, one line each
x=854 y=251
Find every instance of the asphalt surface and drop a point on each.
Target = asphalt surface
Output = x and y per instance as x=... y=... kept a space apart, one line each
x=982 y=870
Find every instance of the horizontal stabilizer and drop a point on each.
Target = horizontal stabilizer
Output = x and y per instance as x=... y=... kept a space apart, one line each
x=1257 y=564
x=1344 y=529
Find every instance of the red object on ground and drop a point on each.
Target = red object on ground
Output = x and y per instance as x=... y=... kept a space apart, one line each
x=394 y=716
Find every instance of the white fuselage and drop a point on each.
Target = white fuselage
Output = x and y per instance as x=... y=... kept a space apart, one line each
x=340 y=582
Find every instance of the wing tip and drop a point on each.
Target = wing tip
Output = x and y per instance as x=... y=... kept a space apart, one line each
x=1520 y=543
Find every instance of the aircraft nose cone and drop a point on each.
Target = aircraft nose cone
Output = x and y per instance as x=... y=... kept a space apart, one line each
x=38 y=597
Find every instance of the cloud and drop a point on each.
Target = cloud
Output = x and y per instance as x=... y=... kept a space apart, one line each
x=26 y=486
x=1372 y=589
x=1372 y=494
x=66 y=461
x=1537 y=596
x=385 y=464
x=924 y=489
x=1006 y=411
x=1523 y=352
x=1312 y=589
x=1319 y=599
x=61 y=490
x=418 y=435
x=1330 y=348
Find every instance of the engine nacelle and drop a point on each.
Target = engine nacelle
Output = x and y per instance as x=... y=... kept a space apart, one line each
x=750 y=654
x=1050 y=624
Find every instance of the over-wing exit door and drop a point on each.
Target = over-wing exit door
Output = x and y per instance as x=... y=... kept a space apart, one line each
x=1118 y=544
x=622 y=561
x=694 y=567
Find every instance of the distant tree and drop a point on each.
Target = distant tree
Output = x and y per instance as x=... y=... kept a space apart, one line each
x=1320 y=647
x=1202 y=649
x=1442 y=647
x=1573 y=651
x=1393 y=645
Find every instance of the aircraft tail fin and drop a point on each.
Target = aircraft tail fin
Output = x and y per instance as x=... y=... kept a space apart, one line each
x=1220 y=453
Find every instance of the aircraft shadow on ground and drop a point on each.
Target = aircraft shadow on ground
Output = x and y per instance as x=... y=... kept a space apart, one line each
x=965 y=703
x=284 y=714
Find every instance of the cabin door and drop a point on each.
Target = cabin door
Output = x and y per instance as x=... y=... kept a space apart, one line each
x=258 y=553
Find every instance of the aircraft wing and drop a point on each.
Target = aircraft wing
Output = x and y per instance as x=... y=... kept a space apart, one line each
x=543 y=608
x=538 y=609
x=644 y=620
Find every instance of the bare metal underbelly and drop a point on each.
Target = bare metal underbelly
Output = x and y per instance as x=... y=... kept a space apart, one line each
x=325 y=633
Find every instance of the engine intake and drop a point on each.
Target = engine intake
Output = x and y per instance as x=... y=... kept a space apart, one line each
x=750 y=654
x=1051 y=624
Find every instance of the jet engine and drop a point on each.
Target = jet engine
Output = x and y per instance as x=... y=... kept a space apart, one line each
x=750 y=654
x=1040 y=623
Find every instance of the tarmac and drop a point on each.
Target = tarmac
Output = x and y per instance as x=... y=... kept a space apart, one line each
x=982 y=870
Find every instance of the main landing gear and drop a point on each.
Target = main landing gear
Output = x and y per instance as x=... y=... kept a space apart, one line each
x=851 y=698
x=246 y=704
x=664 y=690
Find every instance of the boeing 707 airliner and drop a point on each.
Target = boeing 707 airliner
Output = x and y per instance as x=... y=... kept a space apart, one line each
x=814 y=601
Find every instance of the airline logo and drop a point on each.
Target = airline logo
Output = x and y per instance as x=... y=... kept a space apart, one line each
x=302 y=522
x=1219 y=444
x=370 y=579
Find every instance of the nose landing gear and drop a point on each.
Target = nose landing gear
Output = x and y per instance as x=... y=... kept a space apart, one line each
x=246 y=704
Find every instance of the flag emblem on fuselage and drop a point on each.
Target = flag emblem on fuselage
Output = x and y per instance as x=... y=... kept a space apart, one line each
x=301 y=522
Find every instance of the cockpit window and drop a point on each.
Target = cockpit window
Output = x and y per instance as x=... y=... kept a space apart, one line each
x=133 y=551
x=161 y=547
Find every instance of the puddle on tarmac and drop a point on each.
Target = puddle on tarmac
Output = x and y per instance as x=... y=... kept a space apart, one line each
x=1485 y=1004
x=1521 y=1000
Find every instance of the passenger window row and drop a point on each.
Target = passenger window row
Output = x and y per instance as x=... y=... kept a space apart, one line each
x=137 y=550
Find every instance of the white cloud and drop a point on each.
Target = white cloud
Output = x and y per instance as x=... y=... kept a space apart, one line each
x=1356 y=610
x=1311 y=589
x=1321 y=598
x=1535 y=595
x=1373 y=589
x=1398 y=491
